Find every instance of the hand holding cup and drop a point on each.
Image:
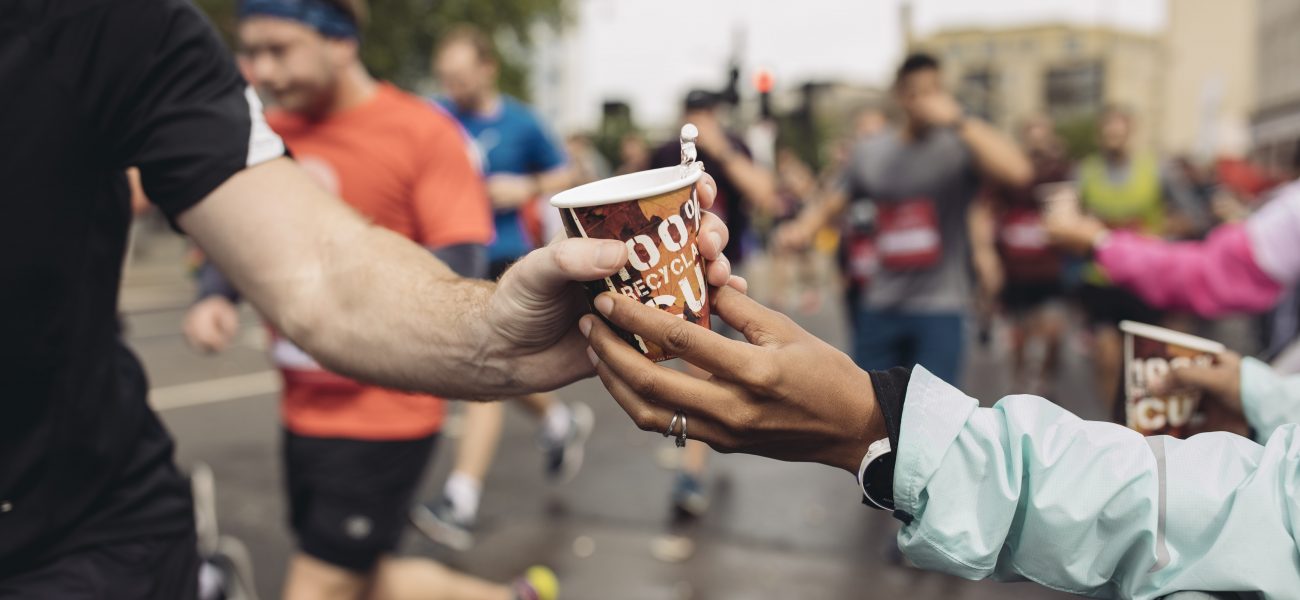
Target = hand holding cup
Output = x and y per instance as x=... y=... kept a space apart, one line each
x=783 y=393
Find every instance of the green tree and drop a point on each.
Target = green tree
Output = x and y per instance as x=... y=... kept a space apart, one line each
x=398 y=42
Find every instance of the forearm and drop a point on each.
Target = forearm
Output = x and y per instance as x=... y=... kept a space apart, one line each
x=1268 y=400
x=362 y=300
x=823 y=214
x=1026 y=490
x=390 y=313
x=996 y=155
x=556 y=180
x=755 y=183
x=1213 y=277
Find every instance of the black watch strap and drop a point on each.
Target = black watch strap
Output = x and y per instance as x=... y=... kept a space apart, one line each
x=891 y=390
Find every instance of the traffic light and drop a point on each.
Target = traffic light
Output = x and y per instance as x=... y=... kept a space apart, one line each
x=763 y=82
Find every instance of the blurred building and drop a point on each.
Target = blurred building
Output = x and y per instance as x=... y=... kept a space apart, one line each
x=1276 y=122
x=555 y=74
x=1210 y=76
x=1066 y=71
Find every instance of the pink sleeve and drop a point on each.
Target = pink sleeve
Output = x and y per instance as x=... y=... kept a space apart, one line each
x=1213 y=277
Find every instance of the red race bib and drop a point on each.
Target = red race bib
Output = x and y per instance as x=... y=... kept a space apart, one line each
x=907 y=235
x=862 y=259
x=1022 y=234
x=1024 y=246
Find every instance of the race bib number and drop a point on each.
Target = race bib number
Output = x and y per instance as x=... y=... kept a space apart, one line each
x=907 y=237
x=1022 y=234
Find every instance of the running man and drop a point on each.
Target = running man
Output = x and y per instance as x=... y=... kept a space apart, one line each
x=1127 y=189
x=91 y=504
x=744 y=187
x=355 y=453
x=522 y=162
x=1033 y=295
x=921 y=180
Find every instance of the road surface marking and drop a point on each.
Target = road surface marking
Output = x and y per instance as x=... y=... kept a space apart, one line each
x=210 y=391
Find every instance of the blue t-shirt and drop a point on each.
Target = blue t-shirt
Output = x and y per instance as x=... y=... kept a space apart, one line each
x=512 y=140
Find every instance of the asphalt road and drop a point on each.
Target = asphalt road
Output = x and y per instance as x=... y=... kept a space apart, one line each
x=775 y=530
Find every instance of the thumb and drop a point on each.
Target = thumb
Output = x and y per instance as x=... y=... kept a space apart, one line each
x=1210 y=379
x=547 y=272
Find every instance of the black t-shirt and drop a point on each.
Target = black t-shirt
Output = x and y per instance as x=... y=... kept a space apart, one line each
x=730 y=204
x=91 y=87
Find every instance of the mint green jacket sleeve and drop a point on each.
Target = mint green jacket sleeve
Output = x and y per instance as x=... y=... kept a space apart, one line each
x=1269 y=400
x=1027 y=491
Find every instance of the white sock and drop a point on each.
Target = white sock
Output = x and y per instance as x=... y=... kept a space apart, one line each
x=557 y=421
x=463 y=491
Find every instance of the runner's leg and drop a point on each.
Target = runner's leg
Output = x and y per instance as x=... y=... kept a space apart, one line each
x=475 y=450
x=423 y=579
x=314 y=579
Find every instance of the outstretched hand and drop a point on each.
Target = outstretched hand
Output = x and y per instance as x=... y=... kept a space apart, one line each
x=783 y=394
x=530 y=318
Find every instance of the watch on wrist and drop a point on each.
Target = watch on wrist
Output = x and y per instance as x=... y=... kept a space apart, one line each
x=876 y=475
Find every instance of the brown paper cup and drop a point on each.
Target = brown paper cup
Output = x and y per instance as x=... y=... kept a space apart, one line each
x=656 y=214
x=1150 y=353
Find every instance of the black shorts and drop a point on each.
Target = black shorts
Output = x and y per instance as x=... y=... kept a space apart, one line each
x=151 y=568
x=1021 y=297
x=348 y=499
x=1108 y=305
x=497 y=268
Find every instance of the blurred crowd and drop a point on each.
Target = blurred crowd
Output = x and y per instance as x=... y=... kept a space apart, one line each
x=929 y=229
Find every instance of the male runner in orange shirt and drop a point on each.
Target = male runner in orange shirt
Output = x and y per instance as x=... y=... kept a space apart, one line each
x=354 y=453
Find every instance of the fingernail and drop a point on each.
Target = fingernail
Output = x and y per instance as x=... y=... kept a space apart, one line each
x=584 y=325
x=595 y=360
x=610 y=255
x=712 y=191
x=604 y=304
x=716 y=239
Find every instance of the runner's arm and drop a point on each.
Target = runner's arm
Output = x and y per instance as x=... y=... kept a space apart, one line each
x=799 y=232
x=996 y=155
x=360 y=299
x=756 y=183
x=981 y=223
x=555 y=180
x=363 y=301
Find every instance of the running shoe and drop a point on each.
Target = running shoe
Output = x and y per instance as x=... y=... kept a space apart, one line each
x=688 y=499
x=537 y=583
x=437 y=522
x=564 y=456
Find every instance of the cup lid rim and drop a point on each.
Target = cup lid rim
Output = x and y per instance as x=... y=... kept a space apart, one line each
x=1169 y=336
x=622 y=188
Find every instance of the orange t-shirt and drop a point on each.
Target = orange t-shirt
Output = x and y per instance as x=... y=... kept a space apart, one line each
x=404 y=164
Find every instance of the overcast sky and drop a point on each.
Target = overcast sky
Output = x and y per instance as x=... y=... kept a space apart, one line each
x=648 y=52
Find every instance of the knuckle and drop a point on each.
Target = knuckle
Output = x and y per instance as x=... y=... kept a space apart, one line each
x=564 y=257
x=764 y=375
x=644 y=419
x=748 y=420
x=677 y=338
x=645 y=383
